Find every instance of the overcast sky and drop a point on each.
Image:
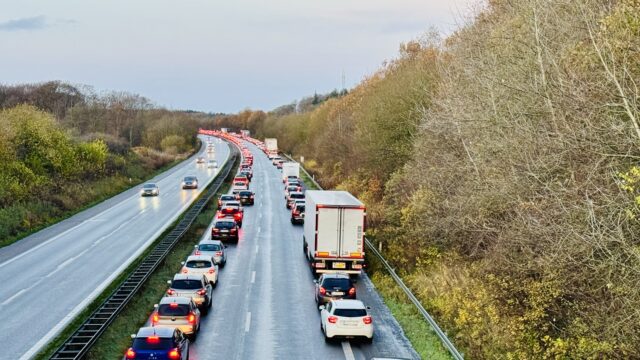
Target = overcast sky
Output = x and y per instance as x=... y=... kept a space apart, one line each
x=208 y=55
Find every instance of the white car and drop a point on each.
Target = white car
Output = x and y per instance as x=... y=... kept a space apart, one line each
x=212 y=164
x=239 y=186
x=346 y=319
x=201 y=265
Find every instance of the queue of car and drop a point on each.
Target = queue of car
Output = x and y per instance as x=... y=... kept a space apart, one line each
x=175 y=320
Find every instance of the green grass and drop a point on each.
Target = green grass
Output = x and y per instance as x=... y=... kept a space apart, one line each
x=115 y=340
x=416 y=328
x=307 y=181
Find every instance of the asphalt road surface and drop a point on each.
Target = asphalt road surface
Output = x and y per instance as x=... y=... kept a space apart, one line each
x=264 y=307
x=49 y=277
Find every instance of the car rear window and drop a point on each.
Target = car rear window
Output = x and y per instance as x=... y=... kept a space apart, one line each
x=239 y=184
x=292 y=188
x=173 y=310
x=297 y=196
x=245 y=193
x=300 y=208
x=198 y=264
x=186 y=284
x=350 y=312
x=336 y=283
x=189 y=178
x=152 y=344
x=209 y=247
x=224 y=224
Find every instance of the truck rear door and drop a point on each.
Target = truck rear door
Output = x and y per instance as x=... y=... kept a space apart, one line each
x=328 y=236
x=352 y=231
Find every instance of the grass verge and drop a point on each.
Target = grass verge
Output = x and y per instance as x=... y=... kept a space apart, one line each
x=116 y=338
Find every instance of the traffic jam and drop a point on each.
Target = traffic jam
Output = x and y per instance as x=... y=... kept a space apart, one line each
x=333 y=244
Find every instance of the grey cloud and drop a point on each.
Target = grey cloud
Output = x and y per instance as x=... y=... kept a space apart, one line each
x=32 y=23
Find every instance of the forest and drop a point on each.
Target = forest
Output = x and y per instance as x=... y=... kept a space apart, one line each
x=500 y=170
x=64 y=147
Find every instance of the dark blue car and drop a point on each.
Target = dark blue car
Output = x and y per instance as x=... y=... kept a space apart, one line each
x=158 y=344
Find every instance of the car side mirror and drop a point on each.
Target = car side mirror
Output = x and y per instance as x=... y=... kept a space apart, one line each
x=133 y=336
x=169 y=282
x=315 y=281
x=321 y=307
x=195 y=246
x=225 y=246
x=182 y=262
x=155 y=306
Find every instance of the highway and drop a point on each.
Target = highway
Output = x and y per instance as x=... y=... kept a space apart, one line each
x=50 y=276
x=264 y=307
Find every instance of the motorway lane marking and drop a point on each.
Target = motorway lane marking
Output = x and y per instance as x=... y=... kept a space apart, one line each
x=253 y=277
x=258 y=230
x=348 y=352
x=247 y=323
x=257 y=247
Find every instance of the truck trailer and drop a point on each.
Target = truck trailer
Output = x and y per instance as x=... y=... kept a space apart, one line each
x=290 y=169
x=271 y=145
x=334 y=230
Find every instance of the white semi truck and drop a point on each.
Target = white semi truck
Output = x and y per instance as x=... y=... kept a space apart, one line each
x=290 y=169
x=271 y=144
x=334 y=229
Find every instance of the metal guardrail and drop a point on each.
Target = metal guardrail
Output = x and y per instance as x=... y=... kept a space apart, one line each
x=79 y=343
x=441 y=334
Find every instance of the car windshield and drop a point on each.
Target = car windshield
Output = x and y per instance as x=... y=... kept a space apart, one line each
x=144 y=343
x=186 y=284
x=227 y=197
x=350 y=312
x=189 y=178
x=292 y=178
x=224 y=224
x=149 y=186
x=173 y=309
x=297 y=196
x=198 y=264
x=336 y=283
x=209 y=247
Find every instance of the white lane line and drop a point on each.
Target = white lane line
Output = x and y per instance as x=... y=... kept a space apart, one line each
x=16 y=295
x=247 y=323
x=348 y=352
x=253 y=277
x=257 y=248
x=258 y=230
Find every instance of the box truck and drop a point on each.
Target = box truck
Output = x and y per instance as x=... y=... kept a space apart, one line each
x=271 y=145
x=245 y=133
x=334 y=230
x=290 y=169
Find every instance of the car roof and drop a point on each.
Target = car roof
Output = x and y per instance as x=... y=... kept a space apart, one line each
x=296 y=192
x=150 y=184
x=228 y=195
x=225 y=219
x=232 y=203
x=198 y=257
x=157 y=331
x=215 y=242
x=187 y=277
x=175 y=299
x=348 y=304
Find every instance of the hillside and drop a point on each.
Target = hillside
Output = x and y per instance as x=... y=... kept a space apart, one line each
x=500 y=169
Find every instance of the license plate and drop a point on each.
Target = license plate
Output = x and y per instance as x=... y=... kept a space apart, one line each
x=224 y=231
x=349 y=323
x=339 y=265
x=337 y=293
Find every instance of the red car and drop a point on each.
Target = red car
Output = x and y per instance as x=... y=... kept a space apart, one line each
x=232 y=208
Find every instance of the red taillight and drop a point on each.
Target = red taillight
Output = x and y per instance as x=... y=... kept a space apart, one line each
x=218 y=253
x=295 y=213
x=216 y=230
x=174 y=354
x=197 y=252
x=130 y=354
x=352 y=291
x=234 y=230
x=192 y=318
x=322 y=290
x=171 y=292
x=332 y=319
x=212 y=271
x=367 y=320
x=155 y=318
x=153 y=339
x=202 y=291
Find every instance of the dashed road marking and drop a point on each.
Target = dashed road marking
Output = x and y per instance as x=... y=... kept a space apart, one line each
x=257 y=248
x=348 y=352
x=253 y=277
x=247 y=323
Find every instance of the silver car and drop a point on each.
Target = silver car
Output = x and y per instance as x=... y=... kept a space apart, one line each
x=150 y=189
x=196 y=287
x=177 y=312
x=213 y=248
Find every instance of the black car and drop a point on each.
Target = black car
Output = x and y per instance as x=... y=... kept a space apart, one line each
x=297 y=214
x=334 y=286
x=225 y=229
x=246 y=197
x=247 y=173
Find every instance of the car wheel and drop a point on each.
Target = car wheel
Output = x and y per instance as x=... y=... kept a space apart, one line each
x=214 y=284
x=293 y=221
x=193 y=337
x=368 y=340
x=223 y=263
